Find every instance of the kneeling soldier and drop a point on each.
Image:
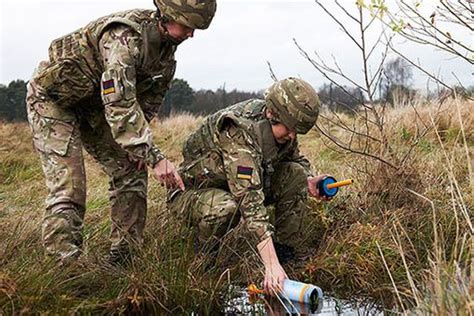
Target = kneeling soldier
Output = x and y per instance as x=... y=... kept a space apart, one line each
x=245 y=158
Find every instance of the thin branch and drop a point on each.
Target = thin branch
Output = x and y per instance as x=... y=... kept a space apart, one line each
x=377 y=43
x=374 y=17
x=272 y=74
x=364 y=58
x=339 y=23
x=353 y=131
x=420 y=68
x=434 y=27
x=378 y=73
x=347 y=12
x=465 y=94
x=316 y=66
x=341 y=73
x=423 y=31
x=456 y=15
x=356 y=151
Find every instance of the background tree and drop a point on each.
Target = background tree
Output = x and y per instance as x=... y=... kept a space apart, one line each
x=441 y=29
x=396 y=82
x=208 y=101
x=340 y=99
x=179 y=98
x=398 y=72
x=12 y=101
x=3 y=102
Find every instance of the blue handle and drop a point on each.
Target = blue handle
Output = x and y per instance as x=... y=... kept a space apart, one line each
x=323 y=189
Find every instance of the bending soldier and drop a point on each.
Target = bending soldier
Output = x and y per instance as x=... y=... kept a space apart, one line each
x=244 y=159
x=100 y=88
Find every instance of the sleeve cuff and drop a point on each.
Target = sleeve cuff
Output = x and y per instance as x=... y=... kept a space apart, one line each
x=154 y=156
x=261 y=234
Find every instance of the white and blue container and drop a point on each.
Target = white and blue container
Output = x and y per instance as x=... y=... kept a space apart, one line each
x=301 y=292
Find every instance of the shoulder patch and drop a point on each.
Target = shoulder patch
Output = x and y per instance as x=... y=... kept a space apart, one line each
x=244 y=173
x=108 y=87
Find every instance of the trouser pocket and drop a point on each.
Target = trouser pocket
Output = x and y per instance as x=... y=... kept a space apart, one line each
x=52 y=128
x=52 y=135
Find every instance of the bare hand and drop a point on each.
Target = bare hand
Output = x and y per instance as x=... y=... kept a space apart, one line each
x=166 y=173
x=313 y=188
x=274 y=273
x=274 y=277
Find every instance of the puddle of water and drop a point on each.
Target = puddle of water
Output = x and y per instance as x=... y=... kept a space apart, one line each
x=241 y=303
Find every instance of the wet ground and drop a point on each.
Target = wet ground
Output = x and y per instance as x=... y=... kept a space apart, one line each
x=241 y=303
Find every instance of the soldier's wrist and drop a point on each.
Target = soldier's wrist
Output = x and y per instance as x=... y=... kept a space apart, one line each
x=154 y=157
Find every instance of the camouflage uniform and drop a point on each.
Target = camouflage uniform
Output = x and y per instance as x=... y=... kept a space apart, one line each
x=100 y=88
x=233 y=169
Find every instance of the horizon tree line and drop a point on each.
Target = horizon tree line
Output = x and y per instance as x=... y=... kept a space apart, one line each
x=181 y=97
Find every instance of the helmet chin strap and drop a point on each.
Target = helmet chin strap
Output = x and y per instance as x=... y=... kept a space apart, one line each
x=271 y=117
x=163 y=21
x=172 y=40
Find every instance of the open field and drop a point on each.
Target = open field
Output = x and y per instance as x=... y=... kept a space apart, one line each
x=399 y=237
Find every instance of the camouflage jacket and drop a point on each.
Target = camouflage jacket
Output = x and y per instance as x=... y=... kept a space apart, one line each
x=234 y=149
x=119 y=62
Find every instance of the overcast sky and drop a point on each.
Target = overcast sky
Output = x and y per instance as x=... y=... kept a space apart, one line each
x=234 y=51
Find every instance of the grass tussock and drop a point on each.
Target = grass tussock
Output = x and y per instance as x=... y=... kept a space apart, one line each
x=401 y=237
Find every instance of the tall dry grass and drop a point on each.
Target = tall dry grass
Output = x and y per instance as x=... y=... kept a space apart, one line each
x=165 y=278
x=402 y=238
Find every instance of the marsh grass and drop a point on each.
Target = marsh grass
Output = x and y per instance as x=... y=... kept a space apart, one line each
x=401 y=238
x=404 y=237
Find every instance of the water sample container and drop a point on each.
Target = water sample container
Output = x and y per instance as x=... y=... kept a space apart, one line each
x=301 y=292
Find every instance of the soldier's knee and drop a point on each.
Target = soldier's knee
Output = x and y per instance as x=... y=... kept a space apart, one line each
x=217 y=211
x=292 y=175
x=219 y=202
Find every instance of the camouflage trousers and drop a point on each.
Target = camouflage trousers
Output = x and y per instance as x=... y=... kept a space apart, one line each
x=59 y=135
x=214 y=211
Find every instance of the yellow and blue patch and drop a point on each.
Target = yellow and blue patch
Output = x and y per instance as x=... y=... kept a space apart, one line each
x=244 y=173
x=108 y=87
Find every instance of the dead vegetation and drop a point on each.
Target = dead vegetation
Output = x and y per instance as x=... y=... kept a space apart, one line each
x=400 y=237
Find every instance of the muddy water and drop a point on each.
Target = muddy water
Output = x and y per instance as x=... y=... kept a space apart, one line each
x=242 y=304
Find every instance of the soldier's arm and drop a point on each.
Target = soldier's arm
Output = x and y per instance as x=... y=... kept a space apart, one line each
x=151 y=104
x=119 y=48
x=151 y=100
x=242 y=166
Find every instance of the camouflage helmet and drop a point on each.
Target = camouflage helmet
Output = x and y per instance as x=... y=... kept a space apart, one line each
x=294 y=102
x=196 y=14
